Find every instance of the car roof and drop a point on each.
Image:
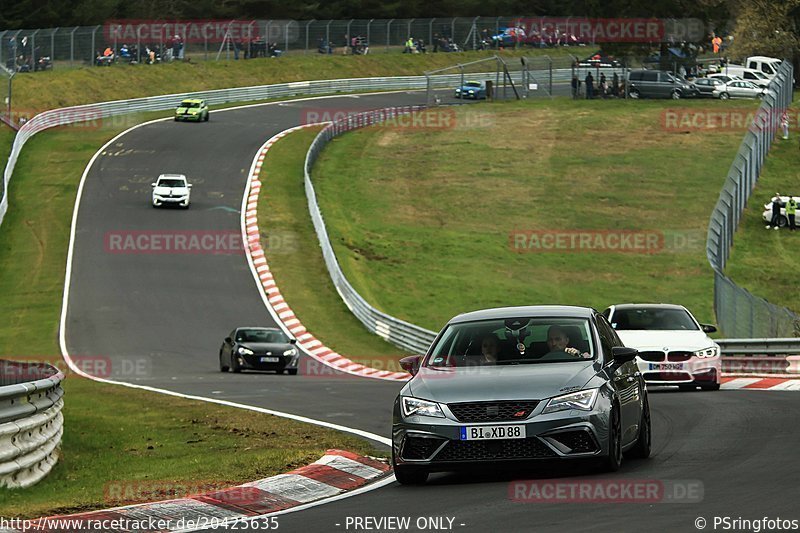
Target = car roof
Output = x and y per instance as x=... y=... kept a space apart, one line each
x=192 y=101
x=262 y=328
x=764 y=58
x=565 y=311
x=172 y=176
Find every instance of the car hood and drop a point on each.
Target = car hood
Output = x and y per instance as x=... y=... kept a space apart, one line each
x=534 y=381
x=171 y=190
x=670 y=339
x=187 y=111
x=276 y=348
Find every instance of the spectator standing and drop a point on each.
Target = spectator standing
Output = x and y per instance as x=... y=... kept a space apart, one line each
x=776 y=212
x=575 y=85
x=615 y=85
x=791 y=210
x=589 y=81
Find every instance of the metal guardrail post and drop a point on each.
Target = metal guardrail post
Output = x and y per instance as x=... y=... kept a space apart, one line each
x=388 y=34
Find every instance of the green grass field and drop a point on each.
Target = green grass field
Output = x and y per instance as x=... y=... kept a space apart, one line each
x=115 y=436
x=296 y=261
x=59 y=88
x=422 y=220
x=765 y=261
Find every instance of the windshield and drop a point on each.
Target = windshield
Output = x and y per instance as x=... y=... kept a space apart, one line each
x=189 y=104
x=261 y=335
x=653 y=318
x=171 y=182
x=513 y=341
x=473 y=84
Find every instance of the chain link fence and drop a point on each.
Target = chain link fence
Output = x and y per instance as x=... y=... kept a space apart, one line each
x=739 y=313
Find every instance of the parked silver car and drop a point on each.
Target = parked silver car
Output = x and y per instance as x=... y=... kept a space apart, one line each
x=517 y=384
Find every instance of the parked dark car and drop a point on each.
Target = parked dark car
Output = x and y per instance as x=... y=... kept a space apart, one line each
x=659 y=84
x=519 y=384
x=255 y=348
x=711 y=88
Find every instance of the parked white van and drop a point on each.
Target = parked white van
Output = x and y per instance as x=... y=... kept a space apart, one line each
x=747 y=74
x=766 y=65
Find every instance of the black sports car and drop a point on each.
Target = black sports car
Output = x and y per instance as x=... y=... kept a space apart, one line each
x=254 y=348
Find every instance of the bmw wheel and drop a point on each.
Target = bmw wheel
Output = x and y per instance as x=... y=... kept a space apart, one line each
x=676 y=95
x=235 y=367
x=222 y=366
x=634 y=94
x=724 y=96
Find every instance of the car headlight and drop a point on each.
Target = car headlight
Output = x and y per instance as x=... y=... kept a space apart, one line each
x=244 y=351
x=583 y=400
x=290 y=351
x=415 y=406
x=713 y=351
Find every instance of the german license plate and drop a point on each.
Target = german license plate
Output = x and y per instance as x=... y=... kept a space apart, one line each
x=270 y=359
x=666 y=366
x=515 y=431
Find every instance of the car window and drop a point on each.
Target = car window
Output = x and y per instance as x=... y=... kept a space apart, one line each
x=190 y=105
x=261 y=335
x=636 y=76
x=473 y=84
x=512 y=341
x=606 y=338
x=650 y=76
x=653 y=318
x=171 y=182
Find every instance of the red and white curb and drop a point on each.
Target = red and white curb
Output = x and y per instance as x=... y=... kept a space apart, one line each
x=336 y=472
x=761 y=383
x=273 y=298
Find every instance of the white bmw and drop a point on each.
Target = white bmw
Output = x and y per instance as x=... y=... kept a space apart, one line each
x=171 y=189
x=674 y=348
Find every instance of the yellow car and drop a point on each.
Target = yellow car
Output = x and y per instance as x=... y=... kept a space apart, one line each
x=192 y=109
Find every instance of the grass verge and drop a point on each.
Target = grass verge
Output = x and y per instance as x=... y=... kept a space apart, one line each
x=66 y=87
x=296 y=262
x=424 y=220
x=764 y=261
x=129 y=436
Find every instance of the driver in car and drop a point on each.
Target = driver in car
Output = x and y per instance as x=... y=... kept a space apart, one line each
x=558 y=342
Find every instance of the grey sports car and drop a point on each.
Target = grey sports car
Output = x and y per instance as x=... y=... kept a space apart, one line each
x=517 y=384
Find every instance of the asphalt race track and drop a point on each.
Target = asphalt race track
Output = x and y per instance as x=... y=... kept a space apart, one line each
x=160 y=318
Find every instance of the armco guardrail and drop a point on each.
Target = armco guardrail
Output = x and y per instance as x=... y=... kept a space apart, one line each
x=789 y=346
x=399 y=332
x=739 y=313
x=31 y=423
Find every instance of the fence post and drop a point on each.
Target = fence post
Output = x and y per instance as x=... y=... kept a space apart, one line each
x=430 y=32
x=94 y=45
x=72 y=45
x=33 y=50
x=328 y=36
x=368 y=29
x=286 y=32
x=408 y=33
x=2 y=38
x=307 y=25
x=388 y=29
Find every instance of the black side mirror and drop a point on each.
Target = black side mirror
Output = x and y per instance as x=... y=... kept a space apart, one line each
x=623 y=354
x=411 y=364
x=708 y=328
x=292 y=341
x=227 y=340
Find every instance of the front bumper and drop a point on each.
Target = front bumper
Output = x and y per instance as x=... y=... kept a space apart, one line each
x=436 y=443
x=171 y=200
x=695 y=370
x=195 y=117
x=254 y=362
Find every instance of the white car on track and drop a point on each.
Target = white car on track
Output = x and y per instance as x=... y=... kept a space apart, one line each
x=674 y=348
x=171 y=189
